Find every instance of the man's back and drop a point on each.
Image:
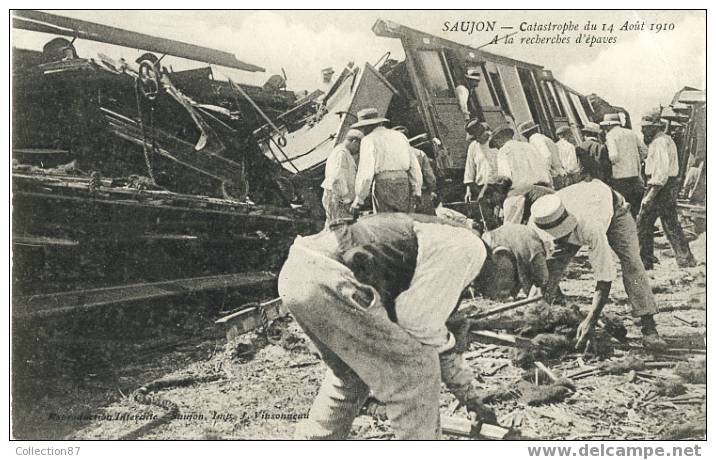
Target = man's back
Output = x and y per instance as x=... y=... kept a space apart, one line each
x=548 y=151
x=590 y=202
x=340 y=170
x=525 y=164
x=568 y=156
x=390 y=149
x=626 y=150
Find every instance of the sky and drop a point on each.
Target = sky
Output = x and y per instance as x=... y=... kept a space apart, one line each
x=642 y=70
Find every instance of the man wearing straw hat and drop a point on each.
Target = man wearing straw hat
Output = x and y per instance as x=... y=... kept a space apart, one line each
x=591 y=214
x=339 y=183
x=374 y=296
x=662 y=170
x=626 y=152
x=387 y=170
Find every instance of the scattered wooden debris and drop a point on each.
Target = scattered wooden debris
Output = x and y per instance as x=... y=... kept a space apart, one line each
x=692 y=372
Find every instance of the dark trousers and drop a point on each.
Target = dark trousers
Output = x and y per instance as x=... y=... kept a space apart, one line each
x=483 y=211
x=391 y=192
x=663 y=207
x=425 y=204
x=632 y=189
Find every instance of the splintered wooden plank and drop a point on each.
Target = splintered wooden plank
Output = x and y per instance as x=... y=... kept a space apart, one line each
x=249 y=318
x=64 y=302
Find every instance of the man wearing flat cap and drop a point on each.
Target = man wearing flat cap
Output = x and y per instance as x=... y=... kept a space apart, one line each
x=339 y=183
x=519 y=163
x=591 y=214
x=567 y=155
x=481 y=172
x=626 y=152
x=374 y=297
x=547 y=149
x=662 y=170
x=387 y=170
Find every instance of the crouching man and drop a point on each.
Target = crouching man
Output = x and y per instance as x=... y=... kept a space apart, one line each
x=374 y=296
x=591 y=214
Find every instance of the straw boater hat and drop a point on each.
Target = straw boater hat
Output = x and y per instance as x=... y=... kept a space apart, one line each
x=591 y=128
x=504 y=131
x=648 y=122
x=368 y=117
x=563 y=129
x=611 y=119
x=652 y=118
x=527 y=126
x=550 y=216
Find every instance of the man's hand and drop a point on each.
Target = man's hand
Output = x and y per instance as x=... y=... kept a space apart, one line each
x=468 y=194
x=584 y=331
x=650 y=196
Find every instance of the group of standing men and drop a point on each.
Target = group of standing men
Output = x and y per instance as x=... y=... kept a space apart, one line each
x=375 y=295
x=502 y=171
x=377 y=163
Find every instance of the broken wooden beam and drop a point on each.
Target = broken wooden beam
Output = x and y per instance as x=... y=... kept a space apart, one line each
x=251 y=316
x=456 y=426
x=508 y=307
x=65 y=302
x=509 y=339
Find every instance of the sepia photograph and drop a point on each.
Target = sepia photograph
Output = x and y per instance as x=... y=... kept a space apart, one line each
x=358 y=225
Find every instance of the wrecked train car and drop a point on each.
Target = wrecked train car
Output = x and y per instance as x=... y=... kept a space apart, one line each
x=419 y=93
x=127 y=174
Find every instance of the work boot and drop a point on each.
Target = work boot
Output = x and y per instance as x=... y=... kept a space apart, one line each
x=686 y=262
x=651 y=340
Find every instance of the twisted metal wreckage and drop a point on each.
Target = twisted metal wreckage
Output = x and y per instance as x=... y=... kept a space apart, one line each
x=123 y=171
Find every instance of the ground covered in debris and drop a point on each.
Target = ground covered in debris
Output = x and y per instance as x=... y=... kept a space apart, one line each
x=258 y=386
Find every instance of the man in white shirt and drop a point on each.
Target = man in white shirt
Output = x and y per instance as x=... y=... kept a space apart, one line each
x=480 y=176
x=339 y=183
x=566 y=147
x=662 y=170
x=374 y=297
x=626 y=152
x=387 y=170
x=521 y=164
x=590 y=213
x=547 y=149
x=466 y=96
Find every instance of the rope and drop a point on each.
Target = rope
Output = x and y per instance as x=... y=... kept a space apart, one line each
x=143 y=396
x=147 y=161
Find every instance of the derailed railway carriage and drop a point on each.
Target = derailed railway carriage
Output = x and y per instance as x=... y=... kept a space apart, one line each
x=419 y=93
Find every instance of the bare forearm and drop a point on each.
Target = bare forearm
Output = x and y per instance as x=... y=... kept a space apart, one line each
x=600 y=298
